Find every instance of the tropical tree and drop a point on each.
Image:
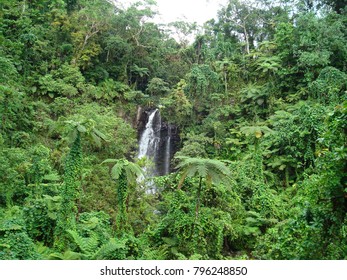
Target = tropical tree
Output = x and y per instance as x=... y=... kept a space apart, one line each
x=213 y=171
x=241 y=19
x=73 y=166
x=256 y=133
x=125 y=173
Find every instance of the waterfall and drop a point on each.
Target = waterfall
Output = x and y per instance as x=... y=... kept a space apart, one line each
x=167 y=155
x=156 y=145
x=150 y=138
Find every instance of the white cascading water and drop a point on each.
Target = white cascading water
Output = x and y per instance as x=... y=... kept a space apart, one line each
x=150 y=138
x=148 y=147
x=155 y=149
x=167 y=155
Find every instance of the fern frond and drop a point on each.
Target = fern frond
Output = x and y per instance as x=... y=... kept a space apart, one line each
x=99 y=134
x=86 y=244
x=68 y=255
x=116 y=170
x=202 y=170
x=96 y=139
x=133 y=171
x=214 y=171
x=183 y=177
x=105 y=250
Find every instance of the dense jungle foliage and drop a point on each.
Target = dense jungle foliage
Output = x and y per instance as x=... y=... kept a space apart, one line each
x=259 y=98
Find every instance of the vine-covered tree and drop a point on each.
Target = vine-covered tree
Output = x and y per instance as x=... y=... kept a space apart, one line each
x=125 y=174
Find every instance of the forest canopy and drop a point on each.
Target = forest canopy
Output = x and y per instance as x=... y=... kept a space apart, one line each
x=258 y=100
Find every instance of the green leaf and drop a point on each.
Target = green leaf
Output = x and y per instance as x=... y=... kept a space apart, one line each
x=81 y=128
x=116 y=170
x=110 y=161
x=52 y=177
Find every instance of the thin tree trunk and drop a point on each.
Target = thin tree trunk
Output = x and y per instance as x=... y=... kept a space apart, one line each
x=287 y=176
x=24 y=7
x=197 y=205
x=198 y=194
x=246 y=38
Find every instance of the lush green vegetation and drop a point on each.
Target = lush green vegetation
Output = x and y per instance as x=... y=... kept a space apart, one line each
x=260 y=101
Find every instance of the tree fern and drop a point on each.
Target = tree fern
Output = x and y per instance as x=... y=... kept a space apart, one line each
x=72 y=173
x=131 y=169
x=213 y=171
x=125 y=174
x=69 y=192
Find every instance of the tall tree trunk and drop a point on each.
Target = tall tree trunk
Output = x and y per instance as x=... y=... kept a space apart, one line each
x=287 y=177
x=23 y=8
x=226 y=81
x=197 y=206
x=246 y=38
